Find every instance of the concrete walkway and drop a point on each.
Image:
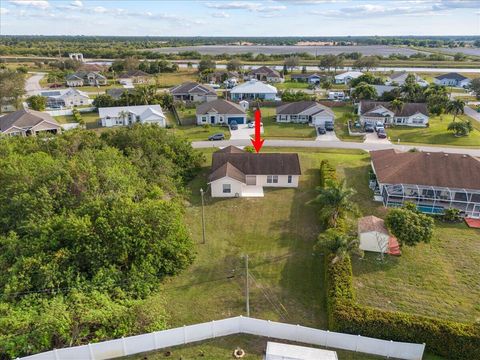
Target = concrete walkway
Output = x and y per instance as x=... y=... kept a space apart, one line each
x=339 y=145
x=472 y=113
x=32 y=84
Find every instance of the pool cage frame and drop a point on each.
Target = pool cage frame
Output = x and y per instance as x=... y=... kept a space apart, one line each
x=432 y=199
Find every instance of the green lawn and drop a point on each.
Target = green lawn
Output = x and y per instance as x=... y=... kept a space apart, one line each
x=440 y=279
x=292 y=85
x=91 y=119
x=167 y=80
x=272 y=129
x=436 y=133
x=341 y=123
x=198 y=133
x=222 y=348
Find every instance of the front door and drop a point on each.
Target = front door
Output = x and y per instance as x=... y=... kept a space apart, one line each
x=212 y=119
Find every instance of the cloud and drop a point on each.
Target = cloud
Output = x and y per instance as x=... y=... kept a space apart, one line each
x=221 y=14
x=244 y=5
x=76 y=4
x=39 y=4
x=99 y=9
x=4 y=11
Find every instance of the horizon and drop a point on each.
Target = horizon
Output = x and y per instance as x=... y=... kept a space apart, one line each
x=272 y=18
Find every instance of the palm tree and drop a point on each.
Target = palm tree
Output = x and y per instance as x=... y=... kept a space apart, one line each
x=123 y=115
x=397 y=105
x=335 y=201
x=338 y=243
x=455 y=107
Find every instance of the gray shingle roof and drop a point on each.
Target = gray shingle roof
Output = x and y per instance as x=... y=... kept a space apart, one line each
x=24 y=119
x=452 y=75
x=408 y=109
x=265 y=70
x=221 y=106
x=301 y=106
x=133 y=73
x=192 y=88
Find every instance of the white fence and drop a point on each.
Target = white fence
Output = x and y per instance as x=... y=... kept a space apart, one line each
x=237 y=325
x=70 y=111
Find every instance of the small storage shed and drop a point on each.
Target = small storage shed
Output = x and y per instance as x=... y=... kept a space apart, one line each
x=374 y=236
x=279 y=351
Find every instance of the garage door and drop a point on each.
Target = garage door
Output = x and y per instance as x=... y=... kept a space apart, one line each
x=239 y=120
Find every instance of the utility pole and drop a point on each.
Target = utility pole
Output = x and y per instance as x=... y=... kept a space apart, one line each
x=203 y=217
x=247 y=287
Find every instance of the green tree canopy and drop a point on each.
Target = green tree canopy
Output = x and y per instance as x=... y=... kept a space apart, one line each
x=409 y=226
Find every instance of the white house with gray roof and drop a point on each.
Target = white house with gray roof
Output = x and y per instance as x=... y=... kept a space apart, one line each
x=307 y=112
x=218 y=112
x=129 y=115
x=399 y=77
x=346 y=77
x=452 y=79
x=84 y=78
x=252 y=90
x=410 y=114
x=66 y=98
x=193 y=92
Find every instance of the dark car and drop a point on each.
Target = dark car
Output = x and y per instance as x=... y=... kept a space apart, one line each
x=321 y=130
x=381 y=134
x=233 y=125
x=369 y=128
x=329 y=126
x=218 y=136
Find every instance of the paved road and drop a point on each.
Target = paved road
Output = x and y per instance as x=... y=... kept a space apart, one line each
x=336 y=144
x=32 y=85
x=472 y=113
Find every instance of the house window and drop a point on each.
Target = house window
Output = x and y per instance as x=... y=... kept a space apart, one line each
x=289 y=179
x=417 y=121
x=227 y=188
x=204 y=118
x=272 y=179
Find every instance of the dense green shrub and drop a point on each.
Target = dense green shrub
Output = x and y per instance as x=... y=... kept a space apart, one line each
x=327 y=172
x=452 y=340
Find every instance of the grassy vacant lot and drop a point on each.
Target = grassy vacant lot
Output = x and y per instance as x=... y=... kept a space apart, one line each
x=190 y=130
x=277 y=232
x=273 y=129
x=292 y=85
x=436 y=133
x=167 y=80
x=440 y=279
x=222 y=348
x=91 y=119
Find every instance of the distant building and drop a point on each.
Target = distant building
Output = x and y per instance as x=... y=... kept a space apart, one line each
x=116 y=93
x=346 y=77
x=452 y=79
x=307 y=112
x=194 y=92
x=129 y=115
x=76 y=56
x=65 y=98
x=398 y=78
x=134 y=77
x=27 y=122
x=218 y=112
x=411 y=114
x=253 y=89
x=264 y=73
x=313 y=79
x=86 y=78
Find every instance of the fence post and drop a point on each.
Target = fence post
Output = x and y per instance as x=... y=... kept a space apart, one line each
x=389 y=352
x=326 y=338
x=124 y=347
x=90 y=352
x=55 y=354
x=184 y=334
x=240 y=324
x=356 y=344
x=213 y=328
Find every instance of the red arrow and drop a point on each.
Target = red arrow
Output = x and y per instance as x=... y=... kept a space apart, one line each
x=258 y=142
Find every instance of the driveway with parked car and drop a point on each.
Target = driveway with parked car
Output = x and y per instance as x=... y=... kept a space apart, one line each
x=325 y=135
x=243 y=131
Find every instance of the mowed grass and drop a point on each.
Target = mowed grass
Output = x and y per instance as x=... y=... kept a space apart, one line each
x=439 y=279
x=292 y=85
x=277 y=232
x=341 y=123
x=91 y=119
x=436 y=133
x=273 y=130
x=222 y=348
x=167 y=80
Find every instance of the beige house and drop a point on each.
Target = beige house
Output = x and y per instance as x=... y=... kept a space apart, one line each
x=218 y=112
x=28 y=122
x=193 y=92
x=306 y=112
x=374 y=236
x=264 y=73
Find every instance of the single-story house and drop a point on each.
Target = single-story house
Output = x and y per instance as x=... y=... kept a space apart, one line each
x=134 y=77
x=433 y=181
x=192 y=91
x=399 y=77
x=374 y=236
x=128 y=115
x=27 y=122
x=65 y=98
x=86 y=78
x=411 y=114
x=308 y=78
x=308 y=112
x=346 y=77
x=253 y=89
x=279 y=351
x=265 y=73
x=220 y=112
x=220 y=76
x=381 y=89
x=116 y=93
x=452 y=79
x=336 y=95
x=237 y=173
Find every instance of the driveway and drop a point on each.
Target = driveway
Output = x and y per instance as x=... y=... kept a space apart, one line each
x=372 y=138
x=329 y=136
x=472 y=113
x=243 y=132
x=32 y=84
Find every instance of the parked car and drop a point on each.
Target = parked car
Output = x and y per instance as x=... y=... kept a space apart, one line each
x=379 y=125
x=369 y=128
x=233 y=125
x=217 y=136
x=250 y=124
x=321 y=130
x=381 y=134
x=329 y=125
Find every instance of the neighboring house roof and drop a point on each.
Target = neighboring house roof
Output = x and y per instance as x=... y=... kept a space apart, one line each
x=305 y=76
x=144 y=111
x=25 y=118
x=430 y=169
x=401 y=76
x=303 y=107
x=452 y=75
x=236 y=163
x=192 y=88
x=133 y=73
x=117 y=93
x=380 y=89
x=83 y=74
x=62 y=93
x=408 y=109
x=351 y=74
x=220 y=106
x=265 y=70
x=372 y=223
x=254 y=87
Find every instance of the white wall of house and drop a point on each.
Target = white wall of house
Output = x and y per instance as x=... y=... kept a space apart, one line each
x=226 y=187
x=374 y=241
x=218 y=119
x=275 y=79
x=452 y=82
x=319 y=120
x=264 y=96
x=277 y=180
x=74 y=99
x=416 y=120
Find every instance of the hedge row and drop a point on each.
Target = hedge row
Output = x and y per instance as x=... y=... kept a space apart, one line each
x=327 y=173
x=450 y=339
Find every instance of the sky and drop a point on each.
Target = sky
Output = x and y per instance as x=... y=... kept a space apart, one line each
x=240 y=18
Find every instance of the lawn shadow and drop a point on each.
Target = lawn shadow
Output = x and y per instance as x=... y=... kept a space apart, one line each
x=372 y=262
